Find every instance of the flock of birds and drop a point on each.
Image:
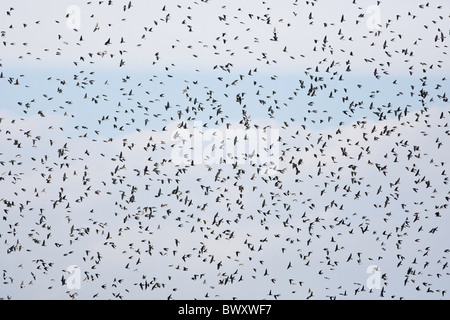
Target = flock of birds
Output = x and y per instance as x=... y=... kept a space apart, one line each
x=87 y=179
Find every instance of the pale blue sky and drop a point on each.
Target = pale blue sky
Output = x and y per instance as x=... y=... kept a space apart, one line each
x=272 y=212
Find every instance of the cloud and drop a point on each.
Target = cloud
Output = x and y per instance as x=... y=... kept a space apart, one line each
x=298 y=211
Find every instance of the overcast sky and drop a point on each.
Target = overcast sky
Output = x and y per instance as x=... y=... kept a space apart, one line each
x=89 y=120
